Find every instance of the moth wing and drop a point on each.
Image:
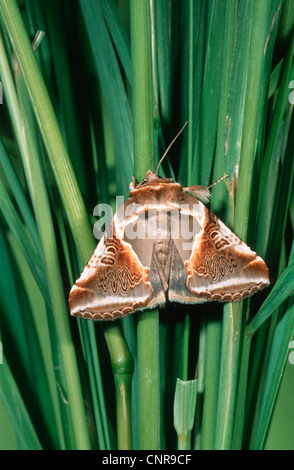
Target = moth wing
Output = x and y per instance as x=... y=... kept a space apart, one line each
x=113 y=284
x=184 y=229
x=141 y=233
x=221 y=266
x=178 y=290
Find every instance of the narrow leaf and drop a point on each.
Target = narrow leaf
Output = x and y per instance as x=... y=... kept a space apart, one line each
x=283 y=288
x=15 y=407
x=184 y=411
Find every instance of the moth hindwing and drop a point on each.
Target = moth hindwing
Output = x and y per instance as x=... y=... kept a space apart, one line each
x=164 y=245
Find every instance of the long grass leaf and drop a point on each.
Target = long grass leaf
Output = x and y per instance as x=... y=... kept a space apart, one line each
x=278 y=356
x=19 y=196
x=206 y=133
x=264 y=28
x=19 y=232
x=71 y=124
x=41 y=205
x=118 y=36
x=283 y=288
x=11 y=397
x=112 y=87
x=148 y=322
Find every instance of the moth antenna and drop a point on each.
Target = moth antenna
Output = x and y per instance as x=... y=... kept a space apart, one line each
x=164 y=155
x=218 y=181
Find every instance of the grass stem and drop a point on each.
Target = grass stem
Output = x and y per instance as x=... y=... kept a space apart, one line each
x=148 y=322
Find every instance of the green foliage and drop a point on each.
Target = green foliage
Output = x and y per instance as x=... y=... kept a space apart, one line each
x=107 y=89
x=184 y=411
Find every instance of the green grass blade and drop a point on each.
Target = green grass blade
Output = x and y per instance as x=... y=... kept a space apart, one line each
x=72 y=127
x=201 y=387
x=264 y=28
x=230 y=355
x=283 y=289
x=41 y=206
x=60 y=163
x=282 y=201
x=184 y=411
x=49 y=129
x=278 y=356
x=47 y=236
x=98 y=395
x=275 y=78
x=118 y=36
x=165 y=41
x=226 y=67
x=17 y=228
x=113 y=89
x=225 y=159
x=220 y=204
x=148 y=322
x=282 y=102
x=211 y=377
x=22 y=348
x=19 y=197
x=279 y=133
x=122 y=367
x=207 y=130
x=11 y=397
x=238 y=86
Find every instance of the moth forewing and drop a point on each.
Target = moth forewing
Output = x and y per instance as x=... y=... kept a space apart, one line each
x=134 y=226
x=113 y=284
x=142 y=245
x=222 y=267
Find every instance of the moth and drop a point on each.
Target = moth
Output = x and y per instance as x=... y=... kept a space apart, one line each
x=163 y=244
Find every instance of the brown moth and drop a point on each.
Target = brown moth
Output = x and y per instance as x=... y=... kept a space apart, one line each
x=163 y=245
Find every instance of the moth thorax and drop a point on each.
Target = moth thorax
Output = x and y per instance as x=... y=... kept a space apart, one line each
x=162 y=251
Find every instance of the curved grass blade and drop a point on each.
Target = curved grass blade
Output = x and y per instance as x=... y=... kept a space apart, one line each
x=278 y=355
x=22 y=117
x=19 y=196
x=71 y=125
x=283 y=289
x=63 y=172
x=22 y=348
x=118 y=36
x=11 y=397
x=17 y=228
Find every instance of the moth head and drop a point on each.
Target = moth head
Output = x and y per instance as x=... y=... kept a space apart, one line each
x=150 y=179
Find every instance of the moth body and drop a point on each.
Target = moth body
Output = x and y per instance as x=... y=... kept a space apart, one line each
x=163 y=245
